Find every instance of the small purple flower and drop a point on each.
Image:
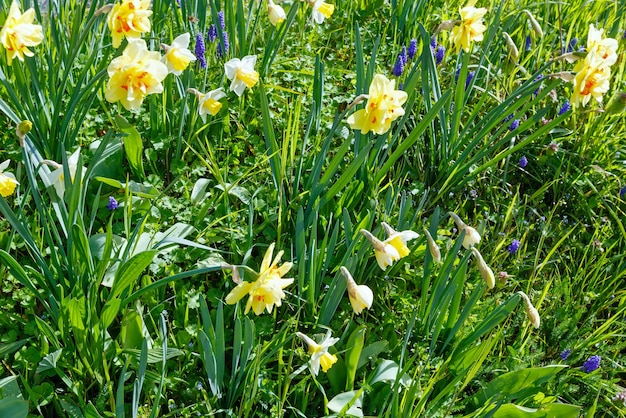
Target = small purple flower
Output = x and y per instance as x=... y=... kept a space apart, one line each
x=622 y=192
x=508 y=118
x=199 y=385
x=565 y=107
x=536 y=92
x=433 y=42
x=529 y=43
x=412 y=48
x=571 y=46
x=112 y=205
x=457 y=73
x=565 y=354
x=523 y=162
x=399 y=67
x=624 y=35
x=592 y=363
x=403 y=55
x=621 y=397
x=513 y=247
x=514 y=125
x=212 y=35
x=439 y=54
x=200 y=50
x=226 y=45
x=220 y=16
x=178 y=3
x=469 y=78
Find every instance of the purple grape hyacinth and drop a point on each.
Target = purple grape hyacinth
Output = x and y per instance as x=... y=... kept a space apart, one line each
x=592 y=363
x=439 y=54
x=523 y=162
x=513 y=247
x=399 y=67
x=200 y=50
x=412 y=48
x=220 y=16
x=112 y=205
x=565 y=107
x=212 y=35
x=514 y=125
x=565 y=354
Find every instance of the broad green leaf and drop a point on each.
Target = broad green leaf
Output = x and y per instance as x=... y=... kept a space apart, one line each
x=10 y=348
x=9 y=388
x=551 y=410
x=13 y=407
x=387 y=371
x=128 y=272
x=49 y=362
x=137 y=189
x=133 y=146
x=353 y=353
x=349 y=403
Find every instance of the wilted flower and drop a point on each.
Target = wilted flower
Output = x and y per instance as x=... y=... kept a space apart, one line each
x=471 y=27
x=177 y=57
x=267 y=290
x=592 y=364
x=433 y=248
x=360 y=296
x=319 y=352
x=533 y=314
x=275 y=13
x=485 y=271
x=200 y=50
x=523 y=162
x=208 y=103
x=513 y=247
x=57 y=177
x=472 y=237
x=19 y=32
x=241 y=73
x=321 y=10
x=8 y=183
x=129 y=19
x=112 y=205
x=135 y=74
x=384 y=105
x=565 y=354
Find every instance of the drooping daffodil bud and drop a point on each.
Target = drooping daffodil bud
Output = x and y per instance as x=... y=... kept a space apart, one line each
x=361 y=296
x=472 y=237
x=485 y=271
x=533 y=314
x=433 y=248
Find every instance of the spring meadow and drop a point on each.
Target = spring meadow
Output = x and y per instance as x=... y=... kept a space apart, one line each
x=308 y=208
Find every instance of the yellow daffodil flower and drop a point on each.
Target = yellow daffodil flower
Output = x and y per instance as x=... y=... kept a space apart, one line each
x=485 y=271
x=361 y=296
x=135 y=74
x=129 y=19
x=600 y=48
x=471 y=27
x=393 y=248
x=398 y=239
x=57 y=177
x=321 y=10
x=8 y=183
x=19 y=32
x=267 y=290
x=384 y=105
x=275 y=13
x=592 y=80
x=178 y=56
x=241 y=73
x=209 y=102
x=472 y=237
x=319 y=352
x=531 y=312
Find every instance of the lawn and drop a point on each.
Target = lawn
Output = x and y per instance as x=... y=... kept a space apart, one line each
x=257 y=208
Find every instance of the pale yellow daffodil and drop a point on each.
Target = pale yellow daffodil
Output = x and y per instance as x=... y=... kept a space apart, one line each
x=600 y=48
x=19 y=32
x=178 y=56
x=242 y=74
x=275 y=13
x=8 y=183
x=319 y=352
x=384 y=105
x=361 y=296
x=472 y=237
x=209 y=103
x=393 y=248
x=134 y=75
x=57 y=177
x=267 y=290
x=129 y=19
x=592 y=80
x=471 y=27
x=321 y=10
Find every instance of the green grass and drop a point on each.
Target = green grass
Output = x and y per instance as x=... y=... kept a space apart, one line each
x=123 y=313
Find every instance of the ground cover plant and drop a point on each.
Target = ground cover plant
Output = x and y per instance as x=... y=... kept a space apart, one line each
x=306 y=208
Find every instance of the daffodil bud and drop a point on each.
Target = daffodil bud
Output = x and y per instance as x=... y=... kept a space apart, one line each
x=361 y=296
x=533 y=314
x=511 y=47
x=275 y=12
x=485 y=272
x=472 y=237
x=433 y=247
x=534 y=24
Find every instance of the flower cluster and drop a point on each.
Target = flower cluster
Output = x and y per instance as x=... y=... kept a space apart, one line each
x=591 y=364
x=18 y=33
x=593 y=73
x=129 y=20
